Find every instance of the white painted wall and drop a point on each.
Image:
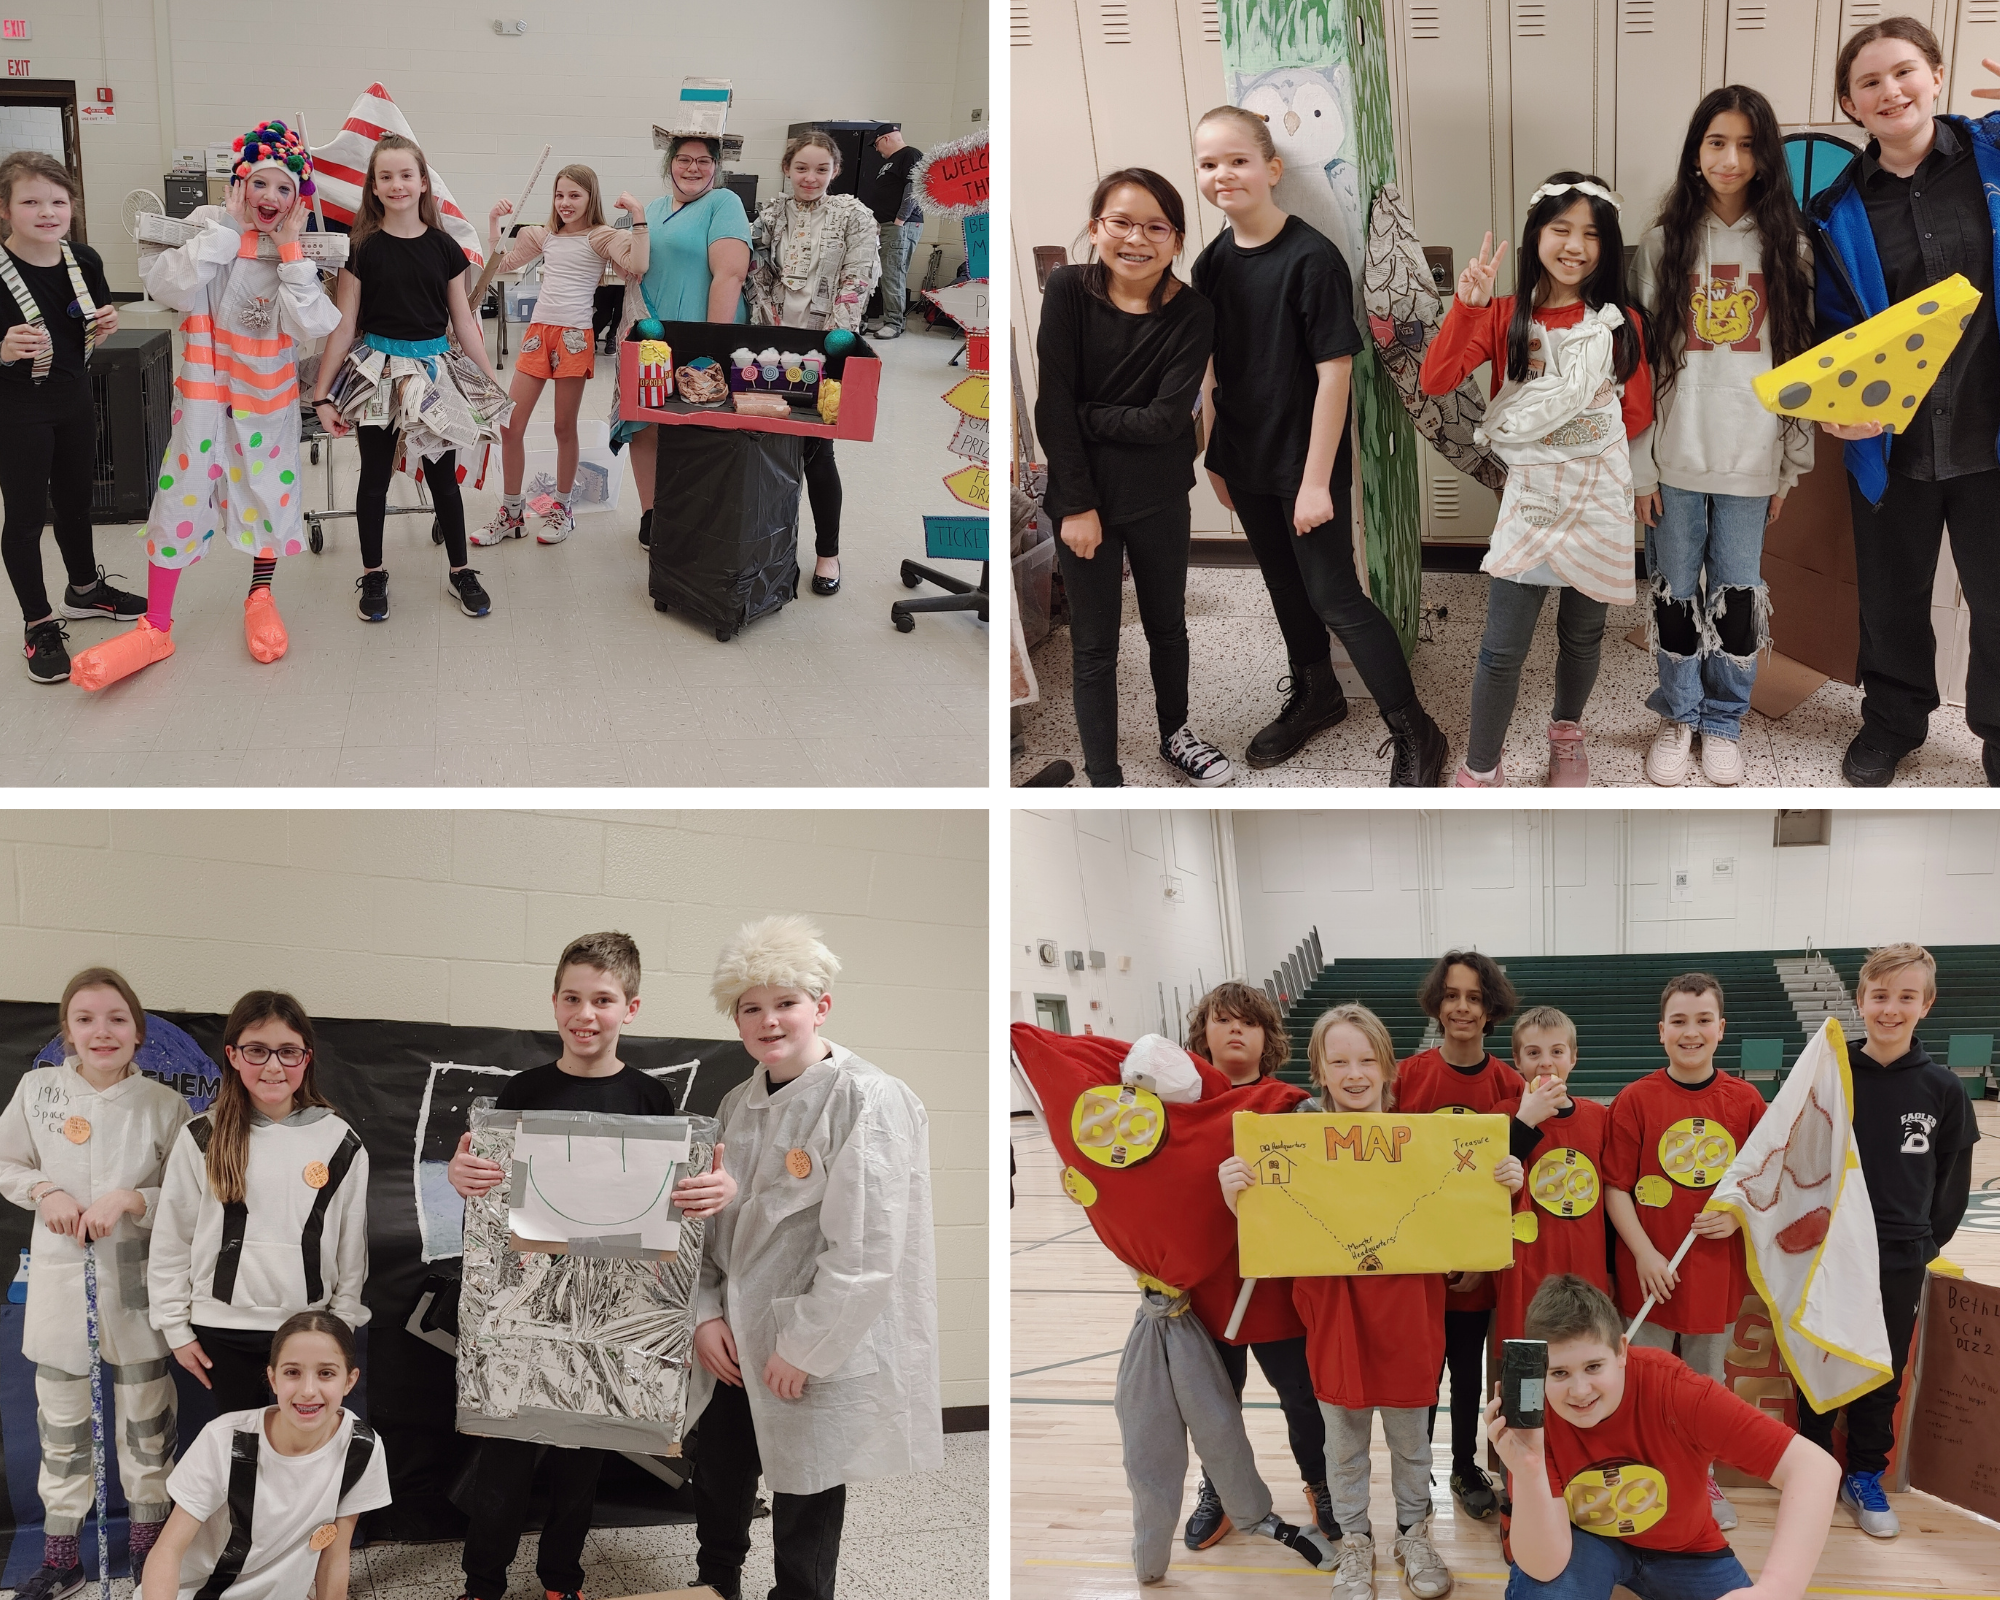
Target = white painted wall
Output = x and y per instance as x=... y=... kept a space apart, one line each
x=591 y=77
x=459 y=917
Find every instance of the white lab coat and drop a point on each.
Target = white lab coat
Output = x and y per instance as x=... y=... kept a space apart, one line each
x=133 y=1125
x=836 y=1272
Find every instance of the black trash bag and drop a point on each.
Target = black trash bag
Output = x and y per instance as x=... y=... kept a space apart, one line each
x=725 y=544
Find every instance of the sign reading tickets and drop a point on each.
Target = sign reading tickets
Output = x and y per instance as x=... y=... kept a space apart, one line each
x=1345 y=1193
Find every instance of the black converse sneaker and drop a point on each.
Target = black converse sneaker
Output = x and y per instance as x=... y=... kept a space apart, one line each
x=101 y=600
x=1198 y=760
x=374 y=603
x=48 y=660
x=472 y=600
x=52 y=1583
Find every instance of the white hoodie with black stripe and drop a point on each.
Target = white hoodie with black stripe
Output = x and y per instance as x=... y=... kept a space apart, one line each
x=299 y=1241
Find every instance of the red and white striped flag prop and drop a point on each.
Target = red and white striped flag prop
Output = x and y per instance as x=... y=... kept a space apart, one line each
x=1797 y=1188
x=340 y=167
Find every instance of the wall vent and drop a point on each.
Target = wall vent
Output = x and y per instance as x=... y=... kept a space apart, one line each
x=1211 y=21
x=1530 y=20
x=1020 y=31
x=1426 y=23
x=1444 y=497
x=1747 y=17
x=1982 y=11
x=1636 y=16
x=1114 y=17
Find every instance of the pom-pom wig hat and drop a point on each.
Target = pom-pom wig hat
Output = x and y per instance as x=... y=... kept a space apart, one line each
x=272 y=144
x=778 y=953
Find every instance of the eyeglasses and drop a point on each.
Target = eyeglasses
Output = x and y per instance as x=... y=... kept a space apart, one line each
x=258 y=1055
x=694 y=163
x=1125 y=227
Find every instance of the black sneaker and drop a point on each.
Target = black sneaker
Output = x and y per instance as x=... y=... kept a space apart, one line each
x=1314 y=701
x=1474 y=1492
x=646 y=527
x=472 y=600
x=1866 y=767
x=48 y=662
x=1321 y=1502
x=374 y=587
x=1210 y=1523
x=101 y=600
x=52 y=1583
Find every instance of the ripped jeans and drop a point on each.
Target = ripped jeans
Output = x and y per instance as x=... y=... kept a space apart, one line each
x=1710 y=614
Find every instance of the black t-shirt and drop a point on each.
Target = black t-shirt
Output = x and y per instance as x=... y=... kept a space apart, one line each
x=55 y=294
x=406 y=283
x=1279 y=310
x=1912 y=1124
x=1116 y=404
x=885 y=192
x=628 y=1091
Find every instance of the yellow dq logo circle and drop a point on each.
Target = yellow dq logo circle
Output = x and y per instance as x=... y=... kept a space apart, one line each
x=1696 y=1151
x=1564 y=1183
x=1617 y=1501
x=1117 y=1126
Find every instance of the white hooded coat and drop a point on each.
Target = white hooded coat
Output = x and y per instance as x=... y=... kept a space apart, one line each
x=835 y=1271
x=132 y=1126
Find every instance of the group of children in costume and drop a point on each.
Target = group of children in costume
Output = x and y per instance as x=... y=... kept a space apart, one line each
x=1609 y=403
x=1604 y=1196
x=235 y=1243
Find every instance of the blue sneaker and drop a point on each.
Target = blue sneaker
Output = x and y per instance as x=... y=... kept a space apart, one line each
x=1861 y=1493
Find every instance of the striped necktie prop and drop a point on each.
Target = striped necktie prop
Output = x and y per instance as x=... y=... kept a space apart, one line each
x=31 y=311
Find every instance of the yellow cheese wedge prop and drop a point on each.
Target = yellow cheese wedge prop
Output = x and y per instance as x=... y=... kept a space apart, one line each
x=1879 y=370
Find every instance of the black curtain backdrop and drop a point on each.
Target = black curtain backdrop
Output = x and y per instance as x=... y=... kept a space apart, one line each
x=375 y=1073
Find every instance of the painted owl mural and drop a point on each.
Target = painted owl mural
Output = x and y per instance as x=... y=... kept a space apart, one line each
x=1310 y=111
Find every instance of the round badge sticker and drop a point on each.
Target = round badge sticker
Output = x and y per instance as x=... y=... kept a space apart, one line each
x=1527 y=1227
x=316 y=1176
x=1617 y=1501
x=1696 y=1151
x=798 y=1163
x=1564 y=1183
x=1117 y=1126
x=1078 y=1187
x=1453 y=1111
x=322 y=1536
x=1653 y=1190
x=77 y=1130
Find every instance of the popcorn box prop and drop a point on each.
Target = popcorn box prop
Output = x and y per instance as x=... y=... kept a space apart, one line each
x=656 y=372
x=775 y=370
x=1878 y=370
x=600 y=475
x=859 y=374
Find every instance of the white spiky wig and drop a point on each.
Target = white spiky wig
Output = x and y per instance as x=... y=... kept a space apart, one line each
x=780 y=953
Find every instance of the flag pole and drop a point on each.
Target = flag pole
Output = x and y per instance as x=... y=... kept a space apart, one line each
x=493 y=261
x=1653 y=1300
x=1242 y=1305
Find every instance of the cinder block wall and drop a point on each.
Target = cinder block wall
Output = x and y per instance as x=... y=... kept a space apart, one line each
x=459 y=916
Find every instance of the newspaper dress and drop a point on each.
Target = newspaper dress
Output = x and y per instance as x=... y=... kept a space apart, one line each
x=232 y=461
x=438 y=401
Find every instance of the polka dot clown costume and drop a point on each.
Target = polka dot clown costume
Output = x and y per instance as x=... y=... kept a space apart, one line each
x=231 y=469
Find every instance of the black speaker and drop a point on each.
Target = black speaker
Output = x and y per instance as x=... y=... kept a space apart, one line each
x=858 y=160
x=744 y=186
x=132 y=387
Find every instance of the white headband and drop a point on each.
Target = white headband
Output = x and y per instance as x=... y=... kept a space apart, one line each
x=1548 y=190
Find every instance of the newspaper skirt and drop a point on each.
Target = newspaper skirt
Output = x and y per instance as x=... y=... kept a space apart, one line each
x=438 y=404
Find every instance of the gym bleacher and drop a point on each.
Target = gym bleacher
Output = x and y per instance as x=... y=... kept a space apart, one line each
x=1614 y=1001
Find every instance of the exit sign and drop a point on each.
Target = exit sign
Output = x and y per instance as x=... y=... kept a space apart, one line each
x=16 y=28
x=20 y=67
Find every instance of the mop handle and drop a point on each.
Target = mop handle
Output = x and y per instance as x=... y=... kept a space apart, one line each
x=306 y=140
x=493 y=262
x=1653 y=1300
x=97 y=1421
x=1242 y=1305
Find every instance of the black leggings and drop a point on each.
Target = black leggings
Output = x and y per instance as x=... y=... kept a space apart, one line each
x=48 y=452
x=371 y=495
x=823 y=490
x=237 y=1360
x=1465 y=1357
x=1284 y=1364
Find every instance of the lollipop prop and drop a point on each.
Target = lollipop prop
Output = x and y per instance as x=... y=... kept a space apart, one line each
x=492 y=266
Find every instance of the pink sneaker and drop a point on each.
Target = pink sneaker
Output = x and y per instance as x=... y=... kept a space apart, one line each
x=120 y=656
x=1569 y=764
x=1466 y=780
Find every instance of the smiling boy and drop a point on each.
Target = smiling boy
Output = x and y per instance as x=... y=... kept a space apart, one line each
x=1610 y=1490
x=1914 y=1132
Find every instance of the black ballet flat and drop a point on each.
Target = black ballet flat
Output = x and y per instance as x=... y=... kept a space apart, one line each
x=825 y=585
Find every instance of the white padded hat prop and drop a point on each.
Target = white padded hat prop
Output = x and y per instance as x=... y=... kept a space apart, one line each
x=780 y=953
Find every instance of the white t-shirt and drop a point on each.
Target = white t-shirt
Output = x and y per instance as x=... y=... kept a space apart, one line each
x=570 y=274
x=295 y=1495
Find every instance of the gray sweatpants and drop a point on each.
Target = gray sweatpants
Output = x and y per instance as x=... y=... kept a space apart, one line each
x=1171 y=1384
x=1702 y=1351
x=1407 y=1431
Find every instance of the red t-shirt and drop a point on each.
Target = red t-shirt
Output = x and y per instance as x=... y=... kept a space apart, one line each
x=1668 y=1147
x=1426 y=1082
x=1469 y=337
x=1564 y=1194
x=1163 y=1214
x=1374 y=1340
x=1642 y=1473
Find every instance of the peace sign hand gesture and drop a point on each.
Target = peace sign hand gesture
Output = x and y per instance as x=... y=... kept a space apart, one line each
x=1993 y=67
x=1475 y=283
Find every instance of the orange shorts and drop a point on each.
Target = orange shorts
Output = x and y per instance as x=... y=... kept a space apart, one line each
x=551 y=352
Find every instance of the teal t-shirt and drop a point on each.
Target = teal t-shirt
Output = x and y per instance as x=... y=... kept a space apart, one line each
x=677 y=277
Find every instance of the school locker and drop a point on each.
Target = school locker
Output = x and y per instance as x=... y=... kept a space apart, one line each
x=1771 y=48
x=1977 y=38
x=1202 y=90
x=1562 y=70
x=1660 y=64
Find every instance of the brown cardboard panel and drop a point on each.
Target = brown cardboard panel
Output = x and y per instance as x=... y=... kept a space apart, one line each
x=1953 y=1432
x=1815 y=617
x=1781 y=684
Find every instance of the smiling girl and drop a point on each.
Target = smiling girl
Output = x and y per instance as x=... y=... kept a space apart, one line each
x=1123 y=347
x=1569 y=390
x=264 y=1211
x=82 y=1145
x=314 y=1468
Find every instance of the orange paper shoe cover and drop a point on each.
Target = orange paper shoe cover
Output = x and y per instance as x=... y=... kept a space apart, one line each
x=121 y=656
x=263 y=628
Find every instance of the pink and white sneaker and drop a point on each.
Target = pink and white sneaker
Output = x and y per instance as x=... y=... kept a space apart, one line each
x=1468 y=779
x=558 y=523
x=506 y=524
x=1569 y=763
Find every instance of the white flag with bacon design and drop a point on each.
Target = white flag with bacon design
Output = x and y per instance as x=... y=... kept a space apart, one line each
x=340 y=166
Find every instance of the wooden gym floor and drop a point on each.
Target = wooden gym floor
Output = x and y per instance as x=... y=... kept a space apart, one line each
x=1071 y=1518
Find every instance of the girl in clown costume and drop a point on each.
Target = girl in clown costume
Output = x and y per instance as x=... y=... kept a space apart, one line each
x=232 y=465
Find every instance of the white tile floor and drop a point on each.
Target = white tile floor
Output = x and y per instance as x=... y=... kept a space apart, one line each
x=911 y=1538
x=573 y=680
x=1239 y=658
